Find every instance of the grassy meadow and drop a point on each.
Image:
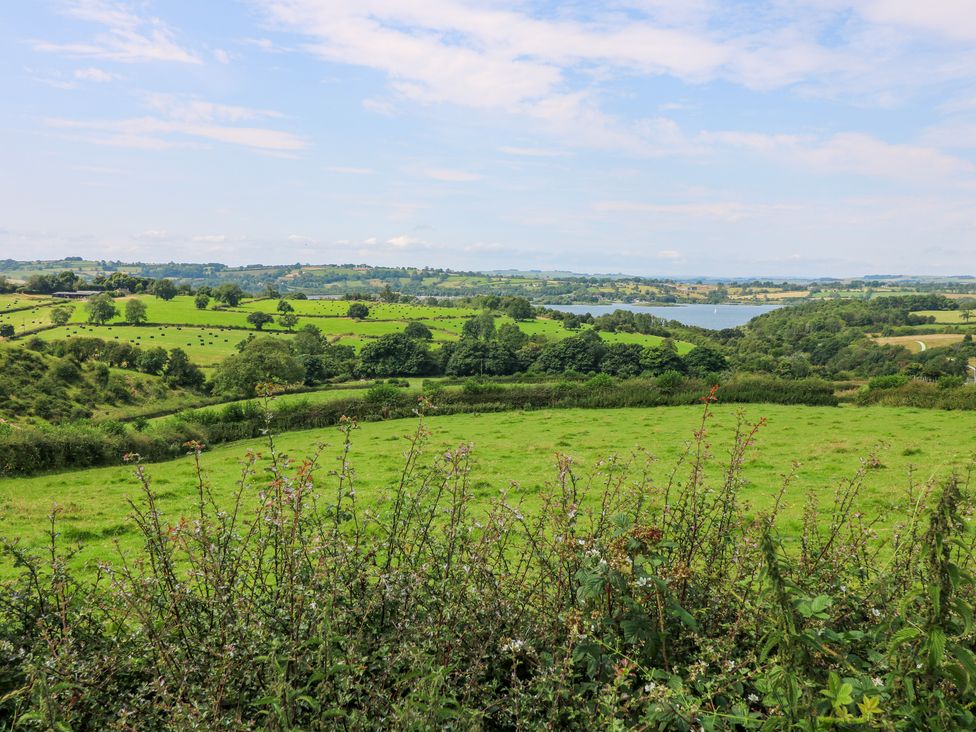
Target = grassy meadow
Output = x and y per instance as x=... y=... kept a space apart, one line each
x=209 y=335
x=204 y=346
x=955 y=317
x=516 y=451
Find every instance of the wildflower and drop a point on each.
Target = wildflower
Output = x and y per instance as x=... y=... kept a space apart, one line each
x=875 y=612
x=513 y=646
x=753 y=698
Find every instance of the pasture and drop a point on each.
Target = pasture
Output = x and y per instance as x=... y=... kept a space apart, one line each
x=956 y=317
x=515 y=452
x=204 y=346
x=209 y=335
x=915 y=342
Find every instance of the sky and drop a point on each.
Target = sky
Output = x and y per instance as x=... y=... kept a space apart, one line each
x=649 y=137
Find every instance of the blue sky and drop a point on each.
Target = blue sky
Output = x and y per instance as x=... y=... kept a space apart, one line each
x=654 y=137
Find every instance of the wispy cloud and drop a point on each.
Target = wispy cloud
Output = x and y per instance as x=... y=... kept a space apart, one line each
x=851 y=153
x=449 y=175
x=533 y=152
x=126 y=36
x=349 y=170
x=91 y=73
x=180 y=121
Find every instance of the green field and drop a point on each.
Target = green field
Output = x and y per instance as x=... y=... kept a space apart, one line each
x=210 y=335
x=516 y=451
x=205 y=346
x=949 y=316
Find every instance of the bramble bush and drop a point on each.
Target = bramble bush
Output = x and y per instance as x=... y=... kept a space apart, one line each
x=618 y=601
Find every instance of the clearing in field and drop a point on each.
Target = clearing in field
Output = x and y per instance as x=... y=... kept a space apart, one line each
x=956 y=317
x=915 y=343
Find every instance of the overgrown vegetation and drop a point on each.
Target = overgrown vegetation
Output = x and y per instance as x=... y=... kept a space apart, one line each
x=625 y=602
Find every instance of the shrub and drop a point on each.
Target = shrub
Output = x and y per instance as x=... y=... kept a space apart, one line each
x=616 y=603
x=892 y=381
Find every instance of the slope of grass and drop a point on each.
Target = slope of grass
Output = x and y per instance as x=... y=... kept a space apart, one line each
x=205 y=346
x=517 y=451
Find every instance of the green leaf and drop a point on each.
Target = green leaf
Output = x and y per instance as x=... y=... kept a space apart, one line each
x=901 y=637
x=958 y=675
x=870 y=706
x=936 y=644
x=821 y=603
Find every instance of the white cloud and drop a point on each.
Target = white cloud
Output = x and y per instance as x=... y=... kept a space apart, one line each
x=349 y=170
x=93 y=74
x=403 y=241
x=533 y=152
x=954 y=19
x=851 y=153
x=728 y=211
x=669 y=254
x=127 y=37
x=509 y=56
x=221 y=56
x=451 y=176
x=181 y=121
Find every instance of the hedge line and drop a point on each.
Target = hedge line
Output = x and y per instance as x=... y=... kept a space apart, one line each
x=26 y=452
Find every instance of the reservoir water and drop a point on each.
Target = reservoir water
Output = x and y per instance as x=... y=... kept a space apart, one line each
x=715 y=317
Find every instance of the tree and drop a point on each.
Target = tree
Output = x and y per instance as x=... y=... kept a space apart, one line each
x=259 y=320
x=61 y=315
x=480 y=326
x=336 y=361
x=229 y=294
x=180 y=371
x=388 y=295
x=263 y=360
x=519 y=308
x=511 y=336
x=201 y=300
x=358 y=311
x=664 y=357
x=419 y=331
x=622 y=359
x=581 y=353
x=309 y=341
x=101 y=309
x=285 y=307
x=135 y=312
x=164 y=289
x=471 y=357
x=704 y=360
x=967 y=315
x=6 y=330
x=395 y=354
x=287 y=320
x=152 y=361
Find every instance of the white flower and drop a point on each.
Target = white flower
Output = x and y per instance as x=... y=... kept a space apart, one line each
x=753 y=698
x=649 y=687
x=877 y=681
x=875 y=612
x=513 y=646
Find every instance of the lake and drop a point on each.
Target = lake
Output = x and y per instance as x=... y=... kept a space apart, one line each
x=715 y=317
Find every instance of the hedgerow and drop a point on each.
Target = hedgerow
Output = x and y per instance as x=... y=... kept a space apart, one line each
x=31 y=450
x=619 y=602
